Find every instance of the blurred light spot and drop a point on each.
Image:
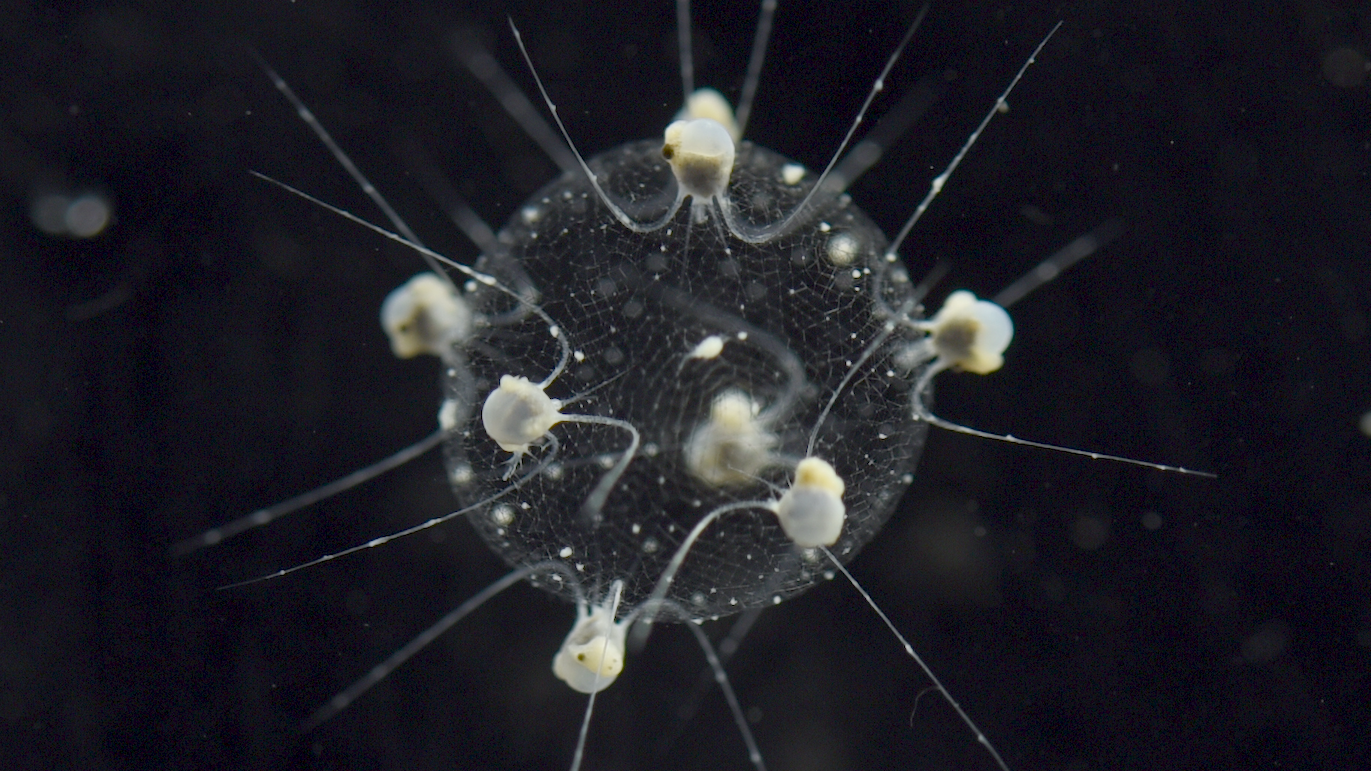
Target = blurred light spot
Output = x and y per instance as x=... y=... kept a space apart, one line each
x=956 y=564
x=1150 y=366
x=1089 y=532
x=1035 y=215
x=1217 y=361
x=49 y=213
x=1345 y=67
x=1267 y=643
x=357 y=602
x=102 y=304
x=87 y=215
x=1152 y=520
x=83 y=216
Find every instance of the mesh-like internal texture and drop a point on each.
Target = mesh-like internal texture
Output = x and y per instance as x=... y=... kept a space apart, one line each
x=797 y=314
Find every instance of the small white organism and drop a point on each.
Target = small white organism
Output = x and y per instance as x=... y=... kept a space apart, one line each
x=763 y=350
x=519 y=413
x=426 y=315
x=970 y=335
x=811 y=511
x=733 y=445
x=592 y=656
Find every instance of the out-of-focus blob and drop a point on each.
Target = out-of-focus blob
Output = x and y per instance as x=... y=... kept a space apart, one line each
x=65 y=214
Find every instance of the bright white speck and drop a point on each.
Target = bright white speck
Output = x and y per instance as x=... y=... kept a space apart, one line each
x=708 y=348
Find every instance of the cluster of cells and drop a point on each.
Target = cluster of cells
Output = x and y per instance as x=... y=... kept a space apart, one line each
x=683 y=385
x=688 y=378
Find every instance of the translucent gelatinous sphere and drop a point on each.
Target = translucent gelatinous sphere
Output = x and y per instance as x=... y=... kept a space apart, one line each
x=723 y=355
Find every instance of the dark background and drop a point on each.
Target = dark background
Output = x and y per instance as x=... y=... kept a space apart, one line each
x=216 y=349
